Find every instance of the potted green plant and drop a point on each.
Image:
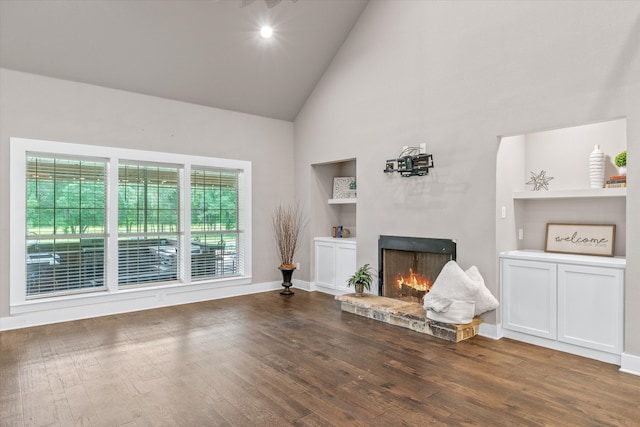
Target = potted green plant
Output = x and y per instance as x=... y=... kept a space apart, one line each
x=361 y=280
x=287 y=229
x=621 y=162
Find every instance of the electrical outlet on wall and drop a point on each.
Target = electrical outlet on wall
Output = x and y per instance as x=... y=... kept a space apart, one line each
x=297 y=266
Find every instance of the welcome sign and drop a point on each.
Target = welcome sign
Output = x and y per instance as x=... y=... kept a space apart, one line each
x=583 y=239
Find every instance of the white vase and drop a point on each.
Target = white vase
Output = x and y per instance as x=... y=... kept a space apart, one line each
x=596 y=167
x=622 y=170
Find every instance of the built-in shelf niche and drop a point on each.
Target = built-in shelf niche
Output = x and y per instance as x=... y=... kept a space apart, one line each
x=327 y=211
x=522 y=214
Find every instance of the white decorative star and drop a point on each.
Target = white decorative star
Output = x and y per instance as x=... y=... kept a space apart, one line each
x=540 y=181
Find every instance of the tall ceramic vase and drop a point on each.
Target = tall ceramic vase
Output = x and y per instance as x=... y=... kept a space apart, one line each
x=596 y=167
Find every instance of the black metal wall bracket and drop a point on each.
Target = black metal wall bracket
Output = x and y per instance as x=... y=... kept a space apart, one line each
x=417 y=165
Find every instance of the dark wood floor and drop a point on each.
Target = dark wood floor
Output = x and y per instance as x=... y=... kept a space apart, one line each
x=271 y=360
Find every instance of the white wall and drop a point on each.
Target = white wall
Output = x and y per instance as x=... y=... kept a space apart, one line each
x=510 y=165
x=56 y=110
x=457 y=75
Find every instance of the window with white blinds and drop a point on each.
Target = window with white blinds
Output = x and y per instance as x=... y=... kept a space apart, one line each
x=117 y=219
x=148 y=223
x=65 y=224
x=214 y=223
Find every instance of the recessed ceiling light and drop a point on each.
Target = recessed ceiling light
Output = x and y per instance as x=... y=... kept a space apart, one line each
x=266 y=32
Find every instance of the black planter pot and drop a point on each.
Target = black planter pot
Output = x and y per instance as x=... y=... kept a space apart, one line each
x=286 y=280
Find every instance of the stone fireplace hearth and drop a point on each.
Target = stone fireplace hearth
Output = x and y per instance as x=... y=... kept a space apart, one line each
x=408 y=315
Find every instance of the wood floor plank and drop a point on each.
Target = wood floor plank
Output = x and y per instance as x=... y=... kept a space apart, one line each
x=269 y=360
x=11 y=409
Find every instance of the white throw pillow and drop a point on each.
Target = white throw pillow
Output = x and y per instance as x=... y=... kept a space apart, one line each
x=459 y=313
x=451 y=284
x=485 y=301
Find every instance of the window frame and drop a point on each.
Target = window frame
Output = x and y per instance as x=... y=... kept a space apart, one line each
x=20 y=148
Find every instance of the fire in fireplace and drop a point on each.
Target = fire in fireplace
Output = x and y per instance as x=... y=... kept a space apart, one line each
x=413 y=283
x=408 y=266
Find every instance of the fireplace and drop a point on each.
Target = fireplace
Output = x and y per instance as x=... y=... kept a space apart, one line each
x=408 y=266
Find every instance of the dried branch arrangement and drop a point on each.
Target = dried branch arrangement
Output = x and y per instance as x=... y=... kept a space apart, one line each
x=287 y=228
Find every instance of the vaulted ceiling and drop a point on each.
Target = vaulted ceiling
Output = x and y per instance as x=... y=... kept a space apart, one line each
x=206 y=52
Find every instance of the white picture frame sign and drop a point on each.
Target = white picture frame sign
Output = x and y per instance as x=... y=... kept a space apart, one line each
x=582 y=239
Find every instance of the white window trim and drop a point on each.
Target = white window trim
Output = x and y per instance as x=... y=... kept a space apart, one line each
x=19 y=147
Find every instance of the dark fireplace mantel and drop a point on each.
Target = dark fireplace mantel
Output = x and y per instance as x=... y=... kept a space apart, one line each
x=446 y=247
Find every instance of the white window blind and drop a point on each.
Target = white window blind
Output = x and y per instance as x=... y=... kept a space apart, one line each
x=65 y=224
x=215 y=244
x=148 y=223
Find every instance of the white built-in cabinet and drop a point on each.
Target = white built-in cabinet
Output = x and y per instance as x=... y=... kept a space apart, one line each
x=573 y=303
x=334 y=258
x=335 y=262
x=591 y=306
x=529 y=297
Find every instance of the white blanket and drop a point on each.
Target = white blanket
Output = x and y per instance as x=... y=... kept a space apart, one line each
x=455 y=292
x=451 y=284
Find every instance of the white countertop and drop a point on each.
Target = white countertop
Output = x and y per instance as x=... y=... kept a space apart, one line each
x=535 y=255
x=336 y=239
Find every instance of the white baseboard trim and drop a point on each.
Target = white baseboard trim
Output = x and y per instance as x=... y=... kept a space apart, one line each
x=143 y=301
x=490 y=331
x=331 y=291
x=304 y=285
x=312 y=287
x=602 y=356
x=630 y=364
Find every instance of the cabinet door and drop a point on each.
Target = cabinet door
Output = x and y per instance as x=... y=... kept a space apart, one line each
x=345 y=265
x=325 y=264
x=590 y=307
x=529 y=297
